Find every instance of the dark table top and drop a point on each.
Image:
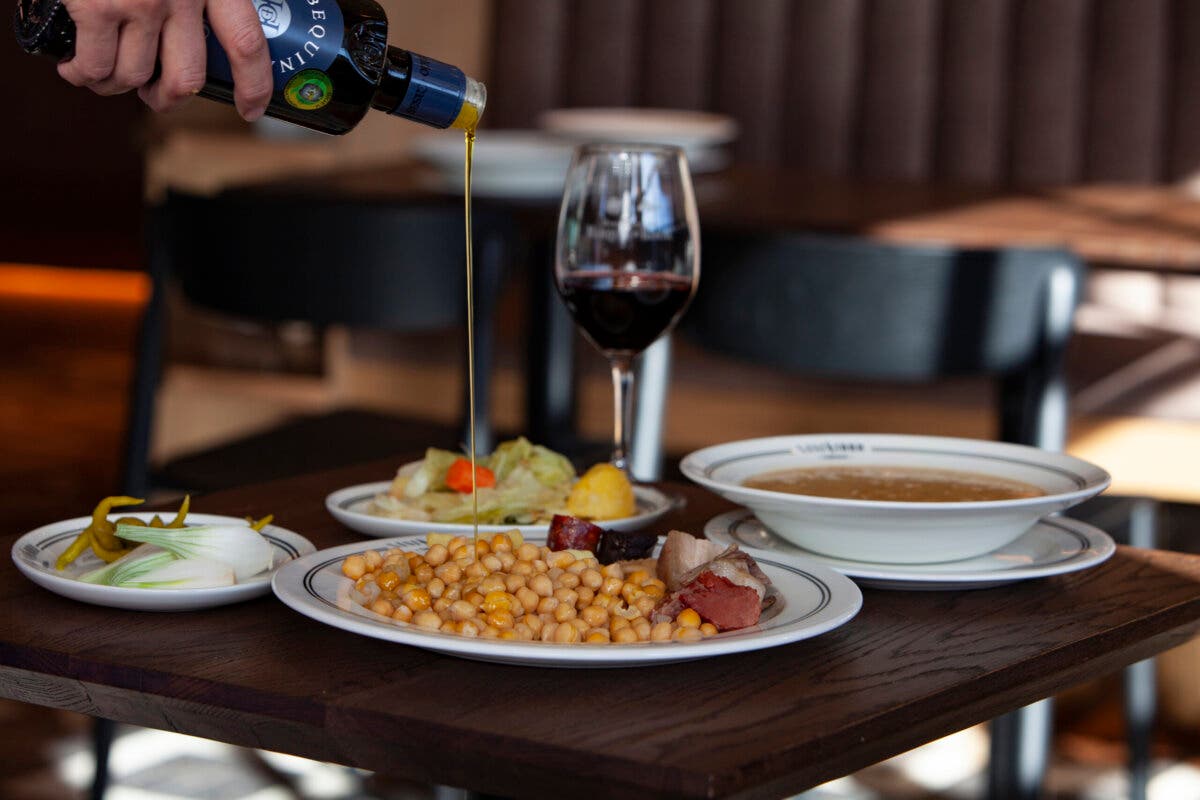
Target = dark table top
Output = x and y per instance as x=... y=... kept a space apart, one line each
x=911 y=667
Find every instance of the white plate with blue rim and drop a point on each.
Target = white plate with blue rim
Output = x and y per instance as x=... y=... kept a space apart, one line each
x=35 y=554
x=897 y=531
x=810 y=600
x=1054 y=546
x=353 y=506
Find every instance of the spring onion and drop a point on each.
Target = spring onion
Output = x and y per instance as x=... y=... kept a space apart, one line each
x=239 y=546
x=151 y=568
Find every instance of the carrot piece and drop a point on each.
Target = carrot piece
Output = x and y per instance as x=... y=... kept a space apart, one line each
x=458 y=477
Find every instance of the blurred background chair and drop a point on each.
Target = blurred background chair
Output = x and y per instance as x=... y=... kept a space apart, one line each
x=398 y=268
x=851 y=308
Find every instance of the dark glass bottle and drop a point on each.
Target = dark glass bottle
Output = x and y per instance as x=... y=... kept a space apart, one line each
x=330 y=60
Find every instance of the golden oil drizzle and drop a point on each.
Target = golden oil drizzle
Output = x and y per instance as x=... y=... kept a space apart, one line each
x=469 y=136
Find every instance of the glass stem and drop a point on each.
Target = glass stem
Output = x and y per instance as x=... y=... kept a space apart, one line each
x=622 y=375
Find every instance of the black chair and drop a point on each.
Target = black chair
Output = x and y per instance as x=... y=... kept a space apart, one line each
x=278 y=259
x=396 y=267
x=856 y=309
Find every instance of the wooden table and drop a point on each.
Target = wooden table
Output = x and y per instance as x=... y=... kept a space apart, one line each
x=911 y=667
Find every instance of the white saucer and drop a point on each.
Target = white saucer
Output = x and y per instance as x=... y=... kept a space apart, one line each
x=1054 y=546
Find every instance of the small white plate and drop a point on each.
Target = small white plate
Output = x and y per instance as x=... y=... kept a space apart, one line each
x=1054 y=546
x=811 y=600
x=349 y=506
x=35 y=554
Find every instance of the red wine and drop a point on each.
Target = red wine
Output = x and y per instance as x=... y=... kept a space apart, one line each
x=625 y=311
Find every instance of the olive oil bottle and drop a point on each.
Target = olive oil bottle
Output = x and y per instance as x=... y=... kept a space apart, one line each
x=330 y=60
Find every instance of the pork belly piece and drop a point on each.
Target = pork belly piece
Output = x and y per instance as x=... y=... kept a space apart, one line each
x=730 y=591
x=682 y=553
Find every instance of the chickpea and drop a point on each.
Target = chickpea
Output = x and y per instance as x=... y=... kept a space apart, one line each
x=661 y=632
x=437 y=555
x=567 y=596
x=688 y=618
x=496 y=601
x=542 y=585
x=388 y=581
x=514 y=582
x=688 y=635
x=596 y=636
x=441 y=604
x=708 y=629
x=354 y=567
x=522 y=568
x=645 y=604
x=612 y=586
x=463 y=551
x=500 y=543
x=423 y=573
x=436 y=587
x=642 y=628
x=586 y=596
x=492 y=563
x=475 y=570
x=548 y=631
x=402 y=614
x=591 y=578
x=449 y=572
x=594 y=616
x=474 y=598
x=524 y=632
x=653 y=591
x=482 y=548
x=393 y=558
x=540 y=565
x=527 y=598
x=453 y=592
x=579 y=624
x=614 y=570
x=417 y=599
x=490 y=632
x=567 y=580
x=414 y=561
x=374 y=558
x=618 y=623
x=501 y=619
x=578 y=567
x=492 y=583
x=533 y=622
x=451 y=626
x=566 y=634
x=469 y=627
x=455 y=543
x=507 y=560
x=547 y=605
x=637 y=577
x=603 y=600
x=624 y=635
x=428 y=619
x=382 y=607
x=527 y=552
x=461 y=609
x=561 y=559
x=564 y=612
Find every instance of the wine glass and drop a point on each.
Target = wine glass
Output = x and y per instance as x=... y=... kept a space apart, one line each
x=627 y=258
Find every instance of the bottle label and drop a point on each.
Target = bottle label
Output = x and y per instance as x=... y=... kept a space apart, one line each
x=302 y=35
x=435 y=92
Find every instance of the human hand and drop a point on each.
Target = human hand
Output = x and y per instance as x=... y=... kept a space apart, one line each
x=118 y=43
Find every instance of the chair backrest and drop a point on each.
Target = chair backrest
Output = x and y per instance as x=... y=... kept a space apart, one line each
x=399 y=267
x=855 y=308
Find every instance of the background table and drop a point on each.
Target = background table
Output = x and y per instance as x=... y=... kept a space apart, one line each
x=911 y=667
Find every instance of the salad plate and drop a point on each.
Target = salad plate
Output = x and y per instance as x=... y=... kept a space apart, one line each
x=35 y=553
x=811 y=600
x=350 y=507
x=1054 y=546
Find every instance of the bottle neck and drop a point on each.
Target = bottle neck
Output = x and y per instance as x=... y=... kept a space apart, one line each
x=419 y=88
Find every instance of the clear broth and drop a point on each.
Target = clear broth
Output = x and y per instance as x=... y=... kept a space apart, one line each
x=884 y=483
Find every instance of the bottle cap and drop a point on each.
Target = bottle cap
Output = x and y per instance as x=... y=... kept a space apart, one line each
x=44 y=27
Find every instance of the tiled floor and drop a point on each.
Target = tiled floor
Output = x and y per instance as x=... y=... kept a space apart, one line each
x=61 y=417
